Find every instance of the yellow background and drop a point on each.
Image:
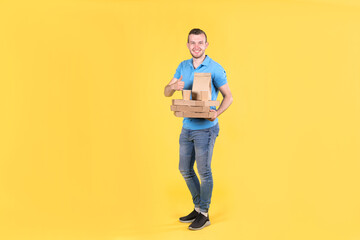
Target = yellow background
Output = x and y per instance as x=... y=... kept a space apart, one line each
x=89 y=146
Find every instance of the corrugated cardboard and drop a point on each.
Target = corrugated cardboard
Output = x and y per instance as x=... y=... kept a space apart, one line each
x=199 y=106
x=189 y=109
x=195 y=114
x=179 y=102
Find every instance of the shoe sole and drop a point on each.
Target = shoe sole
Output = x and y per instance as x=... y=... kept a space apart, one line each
x=186 y=221
x=205 y=225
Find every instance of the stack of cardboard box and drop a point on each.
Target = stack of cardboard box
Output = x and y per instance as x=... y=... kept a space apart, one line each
x=199 y=105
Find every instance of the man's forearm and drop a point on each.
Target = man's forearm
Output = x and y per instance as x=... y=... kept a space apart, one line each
x=225 y=103
x=169 y=91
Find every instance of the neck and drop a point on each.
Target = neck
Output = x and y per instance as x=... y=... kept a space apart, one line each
x=198 y=61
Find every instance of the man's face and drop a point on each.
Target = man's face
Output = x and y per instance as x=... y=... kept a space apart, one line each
x=197 y=45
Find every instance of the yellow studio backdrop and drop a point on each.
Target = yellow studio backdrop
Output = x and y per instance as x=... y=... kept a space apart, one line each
x=89 y=146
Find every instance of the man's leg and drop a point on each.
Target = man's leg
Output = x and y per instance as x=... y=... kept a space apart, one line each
x=204 y=142
x=186 y=165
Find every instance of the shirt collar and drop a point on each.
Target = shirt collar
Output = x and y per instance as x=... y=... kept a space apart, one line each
x=205 y=62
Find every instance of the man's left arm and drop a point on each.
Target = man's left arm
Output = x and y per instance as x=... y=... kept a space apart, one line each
x=225 y=103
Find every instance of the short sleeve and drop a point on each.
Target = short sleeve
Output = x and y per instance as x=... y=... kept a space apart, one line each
x=220 y=77
x=177 y=74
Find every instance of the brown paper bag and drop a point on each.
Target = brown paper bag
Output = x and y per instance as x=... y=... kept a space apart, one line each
x=202 y=82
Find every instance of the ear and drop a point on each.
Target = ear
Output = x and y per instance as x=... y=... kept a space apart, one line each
x=206 y=44
x=188 y=45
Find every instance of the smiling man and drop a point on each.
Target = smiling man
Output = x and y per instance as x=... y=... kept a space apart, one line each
x=197 y=138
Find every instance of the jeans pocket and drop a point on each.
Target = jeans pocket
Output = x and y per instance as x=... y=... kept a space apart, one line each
x=216 y=130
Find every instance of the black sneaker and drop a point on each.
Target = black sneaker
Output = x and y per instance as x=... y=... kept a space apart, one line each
x=200 y=222
x=189 y=218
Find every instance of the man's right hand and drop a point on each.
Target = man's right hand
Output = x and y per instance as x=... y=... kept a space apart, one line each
x=178 y=85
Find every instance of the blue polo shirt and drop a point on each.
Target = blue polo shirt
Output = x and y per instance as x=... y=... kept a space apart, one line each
x=218 y=79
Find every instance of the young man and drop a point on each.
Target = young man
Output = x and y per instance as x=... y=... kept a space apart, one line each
x=198 y=136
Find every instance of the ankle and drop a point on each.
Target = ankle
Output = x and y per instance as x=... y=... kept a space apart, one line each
x=204 y=213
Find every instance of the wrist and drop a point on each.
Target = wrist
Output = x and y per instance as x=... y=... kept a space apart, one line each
x=217 y=113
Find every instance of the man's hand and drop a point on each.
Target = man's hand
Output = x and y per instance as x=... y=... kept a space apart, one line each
x=178 y=85
x=174 y=85
x=215 y=116
x=226 y=102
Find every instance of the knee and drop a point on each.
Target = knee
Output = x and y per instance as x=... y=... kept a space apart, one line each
x=205 y=174
x=186 y=172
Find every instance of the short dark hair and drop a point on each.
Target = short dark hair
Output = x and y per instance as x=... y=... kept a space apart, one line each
x=197 y=31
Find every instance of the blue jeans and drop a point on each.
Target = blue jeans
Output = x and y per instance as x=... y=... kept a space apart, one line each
x=198 y=145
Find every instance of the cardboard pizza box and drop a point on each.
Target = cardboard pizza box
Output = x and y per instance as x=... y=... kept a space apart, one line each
x=181 y=102
x=189 y=108
x=195 y=114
